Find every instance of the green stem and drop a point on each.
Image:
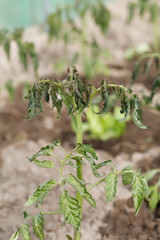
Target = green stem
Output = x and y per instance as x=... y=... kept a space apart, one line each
x=156 y=43
x=79 y=165
x=96 y=183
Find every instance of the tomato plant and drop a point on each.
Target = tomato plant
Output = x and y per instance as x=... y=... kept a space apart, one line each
x=72 y=93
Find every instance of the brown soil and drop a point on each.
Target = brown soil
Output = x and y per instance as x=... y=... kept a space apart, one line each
x=124 y=225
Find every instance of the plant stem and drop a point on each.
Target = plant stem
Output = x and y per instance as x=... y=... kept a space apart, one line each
x=156 y=44
x=79 y=165
x=96 y=183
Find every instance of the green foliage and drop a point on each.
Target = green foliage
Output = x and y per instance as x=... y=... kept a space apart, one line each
x=111 y=186
x=24 y=231
x=41 y=192
x=139 y=191
x=15 y=235
x=154 y=193
x=62 y=24
x=80 y=187
x=103 y=126
x=38 y=226
x=71 y=209
x=26 y=49
x=77 y=97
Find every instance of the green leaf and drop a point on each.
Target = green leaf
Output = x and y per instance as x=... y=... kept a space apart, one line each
x=70 y=209
x=46 y=151
x=38 y=226
x=46 y=92
x=41 y=192
x=85 y=148
x=81 y=188
x=15 y=235
x=139 y=191
x=135 y=114
x=150 y=174
x=24 y=231
x=111 y=186
x=69 y=237
x=44 y=164
x=127 y=175
x=154 y=197
x=105 y=163
x=71 y=164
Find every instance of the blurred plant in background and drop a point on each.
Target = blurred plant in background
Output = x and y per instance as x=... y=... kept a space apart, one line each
x=152 y=8
x=70 y=23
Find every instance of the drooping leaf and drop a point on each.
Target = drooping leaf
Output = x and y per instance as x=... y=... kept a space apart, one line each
x=35 y=101
x=125 y=104
x=70 y=209
x=135 y=114
x=41 y=192
x=24 y=231
x=56 y=99
x=150 y=174
x=46 y=92
x=81 y=188
x=46 y=151
x=7 y=47
x=127 y=175
x=38 y=226
x=111 y=186
x=104 y=97
x=139 y=191
x=44 y=163
x=105 y=163
x=15 y=235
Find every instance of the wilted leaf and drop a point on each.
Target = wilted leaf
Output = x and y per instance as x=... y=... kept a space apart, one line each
x=105 y=163
x=135 y=114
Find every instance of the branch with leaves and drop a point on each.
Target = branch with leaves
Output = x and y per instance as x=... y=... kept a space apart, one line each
x=76 y=97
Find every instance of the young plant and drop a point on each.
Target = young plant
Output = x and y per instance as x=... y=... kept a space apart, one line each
x=76 y=97
x=70 y=24
x=151 y=7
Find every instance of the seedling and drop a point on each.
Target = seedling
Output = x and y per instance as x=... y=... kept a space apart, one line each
x=76 y=97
